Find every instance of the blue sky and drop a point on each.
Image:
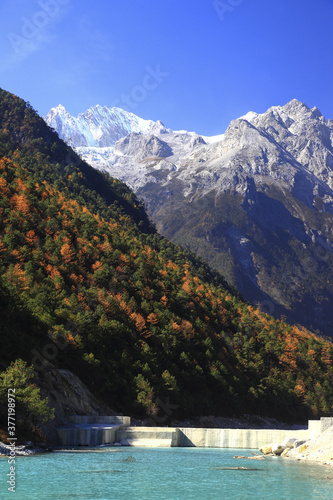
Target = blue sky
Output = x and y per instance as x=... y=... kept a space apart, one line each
x=194 y=64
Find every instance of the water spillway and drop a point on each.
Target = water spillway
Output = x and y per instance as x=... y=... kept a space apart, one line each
x=152 y=437
x=91 y=430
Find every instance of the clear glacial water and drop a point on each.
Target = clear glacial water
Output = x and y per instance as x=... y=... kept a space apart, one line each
x=164 y=474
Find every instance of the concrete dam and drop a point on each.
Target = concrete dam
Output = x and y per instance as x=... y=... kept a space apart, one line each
x=108 y=430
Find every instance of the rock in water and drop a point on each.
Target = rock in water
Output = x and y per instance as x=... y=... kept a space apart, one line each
x=266 y=450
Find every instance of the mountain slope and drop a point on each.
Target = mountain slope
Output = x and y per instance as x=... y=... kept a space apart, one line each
x=138 y=319
x=256 y=203
x=50 y=159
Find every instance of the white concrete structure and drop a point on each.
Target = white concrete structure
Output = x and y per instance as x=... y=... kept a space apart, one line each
x=205 y=438
x=92 y=431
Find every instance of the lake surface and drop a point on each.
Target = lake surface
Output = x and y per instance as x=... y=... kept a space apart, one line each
x=164 y=474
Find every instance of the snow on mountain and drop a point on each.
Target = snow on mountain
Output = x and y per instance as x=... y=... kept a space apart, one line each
x=98 y=126
x=285 y=143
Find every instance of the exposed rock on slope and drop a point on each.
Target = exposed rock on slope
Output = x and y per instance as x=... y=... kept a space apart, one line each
x=149 y=146
x=68 y=396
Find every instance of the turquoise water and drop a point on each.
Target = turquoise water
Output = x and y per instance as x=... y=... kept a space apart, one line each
x=164 y=474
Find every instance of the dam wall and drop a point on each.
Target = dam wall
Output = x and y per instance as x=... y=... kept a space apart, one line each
x=205 y=438
x=152 y=437
x=104 y=430
x=236 y=438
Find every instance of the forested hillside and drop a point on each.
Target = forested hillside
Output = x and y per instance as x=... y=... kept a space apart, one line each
x=137 y=318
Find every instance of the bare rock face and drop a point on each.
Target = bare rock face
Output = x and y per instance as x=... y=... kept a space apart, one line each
x=68 y=396
x=256 y=202
x=142 y=146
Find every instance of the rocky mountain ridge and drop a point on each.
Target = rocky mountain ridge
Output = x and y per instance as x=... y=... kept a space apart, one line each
x=294 y=137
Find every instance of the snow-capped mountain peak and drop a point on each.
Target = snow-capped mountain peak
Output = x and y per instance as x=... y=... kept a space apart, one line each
x=99 y=126
x=250 y=116
x=289 y=136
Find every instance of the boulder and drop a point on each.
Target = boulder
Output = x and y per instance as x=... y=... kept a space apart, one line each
x=299 y=442
x=285 y=452
x=266 y=450
x=277 y=449
x=289 y=443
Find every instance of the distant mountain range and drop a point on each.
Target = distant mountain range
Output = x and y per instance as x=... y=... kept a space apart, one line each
x=256 y=202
